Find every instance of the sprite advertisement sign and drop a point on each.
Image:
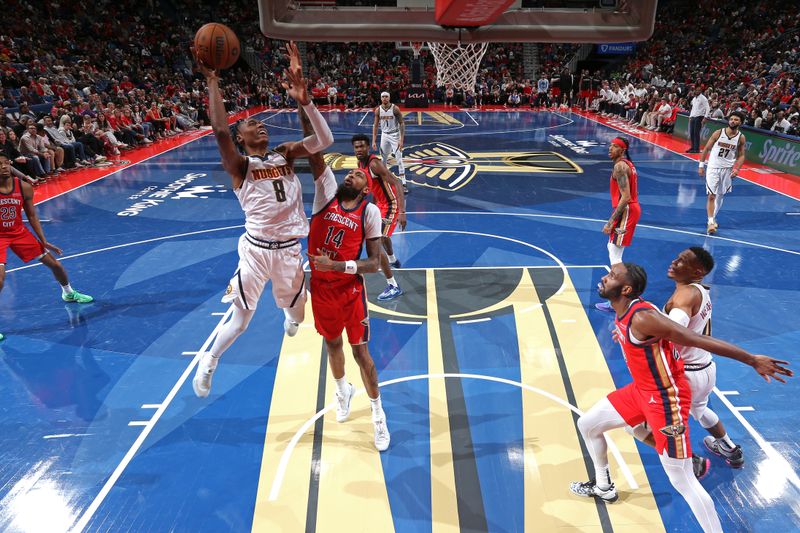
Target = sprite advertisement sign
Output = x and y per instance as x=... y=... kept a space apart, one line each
x=775 y=151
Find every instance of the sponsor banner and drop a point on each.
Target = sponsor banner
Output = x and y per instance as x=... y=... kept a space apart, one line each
x=775 y=151
x=616 y=48
x=416 y=97
x=579 y=147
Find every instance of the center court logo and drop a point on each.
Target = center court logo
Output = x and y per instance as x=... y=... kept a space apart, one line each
x=446 y=167
x=177 y=190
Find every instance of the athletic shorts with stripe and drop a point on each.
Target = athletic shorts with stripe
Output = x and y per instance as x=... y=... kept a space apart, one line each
x=665 y=411
x=341 y=305
x=257 y=266
x=627 y=220
x=388 y=220
x=719 y=181
x=24 y=244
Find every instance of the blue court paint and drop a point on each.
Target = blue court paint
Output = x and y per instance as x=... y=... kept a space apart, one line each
x=74 y=376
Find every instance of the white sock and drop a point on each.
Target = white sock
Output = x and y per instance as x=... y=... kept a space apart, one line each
x=402 y=178
x=341 y=385
x=391 y=281
x=66 y=289
x=726 y=441
x=392 y=258
x=602 y=477
x=615 y=253
x=377 y=409
x=710 y=220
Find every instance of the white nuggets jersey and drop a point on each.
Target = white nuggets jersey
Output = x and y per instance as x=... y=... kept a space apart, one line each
x=723 y=153
x=272 y=199
x=389 y=125
x=700 y=324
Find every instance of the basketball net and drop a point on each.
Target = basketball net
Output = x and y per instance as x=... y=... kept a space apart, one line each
x=457 y=64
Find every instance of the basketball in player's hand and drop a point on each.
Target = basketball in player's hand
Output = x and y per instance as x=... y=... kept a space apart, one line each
x=216 y=46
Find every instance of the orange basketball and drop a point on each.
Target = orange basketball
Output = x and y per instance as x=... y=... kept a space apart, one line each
x=216 y=46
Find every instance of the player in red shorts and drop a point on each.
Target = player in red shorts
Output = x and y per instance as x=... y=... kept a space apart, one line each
x=659 y=394
x=624 y=187
x=342 y=222
x=16 y=196
x=387 y=193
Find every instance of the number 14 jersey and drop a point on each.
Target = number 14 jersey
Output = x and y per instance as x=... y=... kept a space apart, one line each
x=272 y=199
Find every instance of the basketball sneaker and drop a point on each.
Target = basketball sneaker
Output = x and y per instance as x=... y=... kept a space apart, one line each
x=343 y=403
x=395 y=264
x=711 y=228
x=202 y=377
x=75 y=296
x=589 y=489
x=290 y=327
x=390 y=293
x=700 y=466
x=734 y=457
x=2 y=337
x=382 y=437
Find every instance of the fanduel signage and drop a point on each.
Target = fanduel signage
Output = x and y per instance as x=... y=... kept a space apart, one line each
x=616 y=48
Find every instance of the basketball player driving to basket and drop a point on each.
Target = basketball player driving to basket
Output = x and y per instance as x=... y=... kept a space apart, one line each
x=269 y=192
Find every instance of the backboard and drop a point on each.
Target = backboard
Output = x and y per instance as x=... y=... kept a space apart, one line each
x=540 y=21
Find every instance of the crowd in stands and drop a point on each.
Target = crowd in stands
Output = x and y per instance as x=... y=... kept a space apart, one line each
x=88 y=87
x=743 y=57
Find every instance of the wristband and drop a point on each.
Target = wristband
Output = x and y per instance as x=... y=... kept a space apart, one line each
x=350 y=267
x=702 y=164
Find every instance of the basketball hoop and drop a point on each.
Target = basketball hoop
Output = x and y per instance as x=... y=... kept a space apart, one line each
x=416 y=46
x=457 y=64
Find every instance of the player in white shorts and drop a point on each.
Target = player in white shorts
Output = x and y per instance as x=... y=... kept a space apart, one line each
x=393 y=133
x=725 y=151
x=269 y=192
x=690 y=306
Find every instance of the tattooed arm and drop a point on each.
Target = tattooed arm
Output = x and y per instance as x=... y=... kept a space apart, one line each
x=621 y=173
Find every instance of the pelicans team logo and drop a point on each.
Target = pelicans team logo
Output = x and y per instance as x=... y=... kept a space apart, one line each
x=673 y=430
x=442 y=166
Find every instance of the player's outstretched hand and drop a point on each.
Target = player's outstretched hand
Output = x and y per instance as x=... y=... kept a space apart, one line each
x=321 y=262
x=53 y=248
x=768 y=368
x=295 y=83
x=204 y=70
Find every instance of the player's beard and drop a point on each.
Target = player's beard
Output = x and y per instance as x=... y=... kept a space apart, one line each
x=346 y=192
x=734 y=128
x=603 y=292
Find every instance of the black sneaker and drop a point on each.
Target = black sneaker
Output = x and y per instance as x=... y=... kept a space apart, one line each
x=734 y=457
x=701 y=466
x=589 y=489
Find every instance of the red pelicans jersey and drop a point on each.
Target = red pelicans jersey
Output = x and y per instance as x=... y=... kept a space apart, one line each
x=654 y=364
x=633 y=185
x=384 y=194
x=11 y=210
x=337 y=232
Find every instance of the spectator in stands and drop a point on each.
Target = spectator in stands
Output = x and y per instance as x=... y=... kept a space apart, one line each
x=714 y=111
x=74 y=154
x=781 y=125
x=31 y=146
x=514 y=99
x=27 y=165
x=58 y=152
x=542 y=86
x=94 y=153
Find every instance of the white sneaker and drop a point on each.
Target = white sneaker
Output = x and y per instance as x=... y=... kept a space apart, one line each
x=382 y=437
x=343 y=403
x=205 y=371
x=290 y=327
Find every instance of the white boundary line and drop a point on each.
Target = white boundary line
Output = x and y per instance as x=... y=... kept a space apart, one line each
x=783 y=465
x=287 y=453
x=83 y=521
x=472 y=321
x=684 y=155
x=586 y=219
x=473 y=118
x=504 y=267
x=199 y=232
x=412 y=322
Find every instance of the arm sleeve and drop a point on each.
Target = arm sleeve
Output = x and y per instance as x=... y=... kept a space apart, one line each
x=372 y=222
x=324 y=190
x=679 y=316
x=322 y=137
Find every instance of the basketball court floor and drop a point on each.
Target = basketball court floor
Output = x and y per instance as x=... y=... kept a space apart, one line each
x=485 y=362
